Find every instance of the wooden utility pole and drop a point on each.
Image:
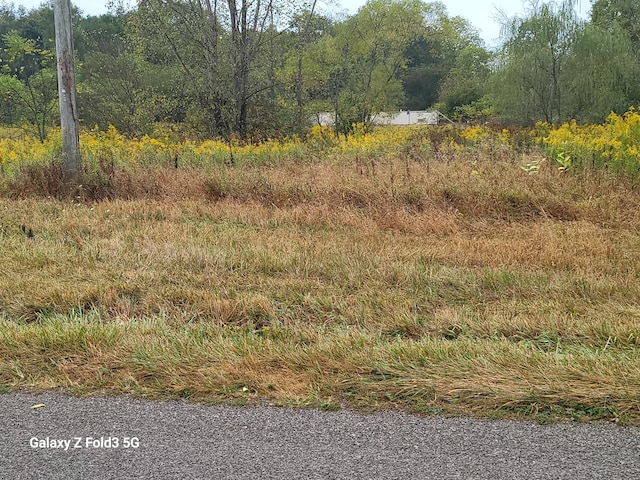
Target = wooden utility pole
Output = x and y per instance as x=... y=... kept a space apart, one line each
x=67 y=90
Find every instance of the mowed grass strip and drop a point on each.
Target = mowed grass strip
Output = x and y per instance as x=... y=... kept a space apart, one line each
x=386 y=284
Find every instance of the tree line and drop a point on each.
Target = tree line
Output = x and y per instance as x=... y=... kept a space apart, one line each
x=256 y=69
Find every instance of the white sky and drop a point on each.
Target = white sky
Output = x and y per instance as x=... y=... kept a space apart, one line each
x=483 y=14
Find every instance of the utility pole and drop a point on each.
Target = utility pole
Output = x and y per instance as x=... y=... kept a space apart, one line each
x=67 y=90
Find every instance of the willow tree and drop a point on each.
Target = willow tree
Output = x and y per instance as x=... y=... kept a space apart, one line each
x=555 y=67
x=433 y=57
x=604 y=76
x=609 y=14
x=621 y=18
x=534 y=63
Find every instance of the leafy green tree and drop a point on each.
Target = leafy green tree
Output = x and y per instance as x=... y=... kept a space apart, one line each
x=305 y=67
x=357 y=70
x=433 y=55
x=609 y=14
x=466 y=82
x=122 y=90
x=531 y=84
x=103 y=34
x=426 y=69
x=602 y=75
x=28 y=84
x=36 y=24
x=11 y=92
x=620 y=18
x=186 y=36
x=554 y=67
x=226 y=53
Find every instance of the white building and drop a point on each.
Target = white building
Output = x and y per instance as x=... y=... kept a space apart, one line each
x=407 y=117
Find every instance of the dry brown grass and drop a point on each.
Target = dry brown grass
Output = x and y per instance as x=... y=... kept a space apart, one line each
x=465 y=286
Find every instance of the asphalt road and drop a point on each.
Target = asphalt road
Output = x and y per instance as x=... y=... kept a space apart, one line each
x=122 y=438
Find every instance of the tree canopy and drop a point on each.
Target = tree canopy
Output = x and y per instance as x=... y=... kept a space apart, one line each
x=256 y=69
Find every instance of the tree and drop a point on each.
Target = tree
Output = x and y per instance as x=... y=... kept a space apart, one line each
x=224 y=50
x=553 y=67
x=604 y=76
x=27 y=84
x=357 y=70
x=434 y=54
x=100 y=34
x=466 y=82
x=304 y=68
x=609 y=14
x=620 y=18
x=530 y=84
x=123 y=90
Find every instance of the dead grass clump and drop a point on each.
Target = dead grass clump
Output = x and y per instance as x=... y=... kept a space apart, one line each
x=160 y=183
x=39 y=180
x=506 y=204
x=253 y=186
x=102 y=182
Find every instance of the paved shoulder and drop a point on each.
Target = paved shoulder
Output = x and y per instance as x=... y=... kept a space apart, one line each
x=119 y=437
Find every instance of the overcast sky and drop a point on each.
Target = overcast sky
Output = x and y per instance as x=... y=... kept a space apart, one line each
x=483 y=14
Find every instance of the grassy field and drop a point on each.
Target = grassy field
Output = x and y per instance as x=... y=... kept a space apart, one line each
x=460 y=284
